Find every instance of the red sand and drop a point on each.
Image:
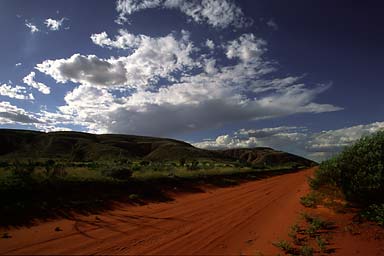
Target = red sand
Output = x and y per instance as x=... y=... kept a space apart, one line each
x=244 y=219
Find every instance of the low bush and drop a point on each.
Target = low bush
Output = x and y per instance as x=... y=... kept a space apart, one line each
x=64 y=187
x=284 y=246
x=144 y=163
x=310 y=200
x=321 y=243
x=120 y=173
x=194 y=165
x=293 y=234
x=327 y=174
x=374 y=212
x=136 y=167
x=59 y=171
x=182 y=162
x=306 y=250
x=134 y=196
x=358 y=170
x=22 y=170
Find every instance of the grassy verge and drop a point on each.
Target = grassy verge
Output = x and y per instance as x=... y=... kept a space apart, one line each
x=308 y=237
x=33 y=190
x=355 y=177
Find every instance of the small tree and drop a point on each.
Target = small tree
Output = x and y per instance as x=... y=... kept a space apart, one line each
x=194 y=165
x=49 y=165
x=23 y=171
x=59 y=171
x=358 y=170
x=182 y=162
x=144 y=163
x=120 y=173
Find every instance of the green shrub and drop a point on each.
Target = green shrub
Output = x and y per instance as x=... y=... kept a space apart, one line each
x=182 y=162
x=295 y=229
x=322 y=243
x=284 y=246
x=59 y=171
x=23 y=171
x=374 y=212
x=358 y=170
x=134 y=196
x=208 y=165
x=144 y=163
x=158 y=166
x=120 y=173
x=306 y=250
x=310 y=200
x=327 y=174
x=194 y=165
x=136 y=167
x=49 y=165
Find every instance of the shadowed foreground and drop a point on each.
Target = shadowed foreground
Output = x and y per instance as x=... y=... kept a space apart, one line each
x=242 y=219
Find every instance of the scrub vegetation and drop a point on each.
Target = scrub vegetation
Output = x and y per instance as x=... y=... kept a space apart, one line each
x=358 y=171
x=310 y=236
x=45 y=175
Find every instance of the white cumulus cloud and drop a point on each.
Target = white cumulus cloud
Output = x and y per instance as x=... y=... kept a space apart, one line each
x=210 y=44
x=53 y=24
x=29 y=80
x=217 y=13
x=247 y=48
x=16 y=92
x=163 y=86
x=33 y=28
x=10 y=114
x=197 y=102
x=150 y=60
x=124 y=40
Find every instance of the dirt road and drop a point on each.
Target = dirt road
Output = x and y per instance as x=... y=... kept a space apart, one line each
x=244 y=219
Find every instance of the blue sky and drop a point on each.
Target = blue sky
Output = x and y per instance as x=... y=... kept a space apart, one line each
x=301 y=77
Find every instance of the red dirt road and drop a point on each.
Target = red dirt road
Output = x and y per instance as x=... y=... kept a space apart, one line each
x=244 y=219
